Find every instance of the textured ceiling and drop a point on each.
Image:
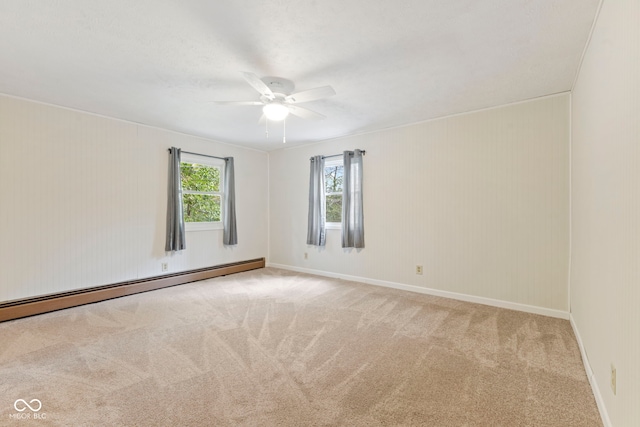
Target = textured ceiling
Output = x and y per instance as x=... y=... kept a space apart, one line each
x=163 y=63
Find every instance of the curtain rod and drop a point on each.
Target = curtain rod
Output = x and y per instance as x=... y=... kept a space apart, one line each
x=338 y=155
x=203 y=155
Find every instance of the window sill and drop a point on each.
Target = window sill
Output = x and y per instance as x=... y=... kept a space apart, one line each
x=333 y=225
x=202 y=226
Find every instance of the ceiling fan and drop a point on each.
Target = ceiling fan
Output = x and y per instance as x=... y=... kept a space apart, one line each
x=277 y=99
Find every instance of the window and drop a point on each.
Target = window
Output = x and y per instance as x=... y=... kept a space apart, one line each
x=333 y=177
x=202 y=195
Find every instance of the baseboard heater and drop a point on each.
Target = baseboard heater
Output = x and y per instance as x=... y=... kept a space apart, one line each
x=46 y=303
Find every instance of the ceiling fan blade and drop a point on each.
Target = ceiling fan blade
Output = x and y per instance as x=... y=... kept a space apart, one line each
x=311 y=94
x=305 y=113
x=258 y=85
x=239 y=102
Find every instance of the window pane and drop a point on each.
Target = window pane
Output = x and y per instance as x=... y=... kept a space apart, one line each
x=201 y=208
x=333 y=179
x=197 y=177
x=334 y=208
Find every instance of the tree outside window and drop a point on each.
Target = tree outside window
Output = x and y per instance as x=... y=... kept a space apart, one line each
x=333 y=177
x=201 y=192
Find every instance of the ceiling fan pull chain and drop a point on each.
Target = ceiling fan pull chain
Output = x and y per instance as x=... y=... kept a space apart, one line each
x=266 y=127
x=284 y=131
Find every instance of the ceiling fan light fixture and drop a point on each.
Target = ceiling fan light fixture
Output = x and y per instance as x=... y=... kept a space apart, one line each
x=275 y=111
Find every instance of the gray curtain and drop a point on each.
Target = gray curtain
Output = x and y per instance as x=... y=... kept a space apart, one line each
x=315 y=224
x=175 y=220
x=352 y=213
x=230 y=234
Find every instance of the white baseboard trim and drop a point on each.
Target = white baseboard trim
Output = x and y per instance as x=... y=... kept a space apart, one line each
x=592 y=379
x=435 y=292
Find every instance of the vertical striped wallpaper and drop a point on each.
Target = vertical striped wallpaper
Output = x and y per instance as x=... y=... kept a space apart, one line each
x=83 y=201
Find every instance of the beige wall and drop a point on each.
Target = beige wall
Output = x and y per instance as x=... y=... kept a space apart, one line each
x=84 y=201
x=480 y=200
x=605 y=273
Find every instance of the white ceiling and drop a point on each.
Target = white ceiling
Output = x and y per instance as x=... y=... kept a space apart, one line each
x=163 y=63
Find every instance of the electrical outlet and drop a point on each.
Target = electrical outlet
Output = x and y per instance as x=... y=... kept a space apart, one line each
x=613 y=379
x=306 y=255
x=418 y=269
x=165 y=266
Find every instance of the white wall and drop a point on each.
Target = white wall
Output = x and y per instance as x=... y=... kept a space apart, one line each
x=480 y=200
x=83 y=201
x=605 y=273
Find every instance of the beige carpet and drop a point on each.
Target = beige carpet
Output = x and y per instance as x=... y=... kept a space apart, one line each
x=276 y=348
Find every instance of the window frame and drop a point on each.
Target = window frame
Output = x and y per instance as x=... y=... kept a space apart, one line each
x=338 y=161
x=211 y=162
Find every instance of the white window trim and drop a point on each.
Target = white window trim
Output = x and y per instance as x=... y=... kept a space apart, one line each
x=338 y=161
x=209 y=161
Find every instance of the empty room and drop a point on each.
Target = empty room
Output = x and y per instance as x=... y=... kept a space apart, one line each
x=319 y=213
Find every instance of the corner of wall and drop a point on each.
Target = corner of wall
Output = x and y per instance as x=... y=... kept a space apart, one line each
x=604 y=414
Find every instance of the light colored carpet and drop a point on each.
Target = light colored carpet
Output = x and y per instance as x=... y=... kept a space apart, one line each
x=276 y=348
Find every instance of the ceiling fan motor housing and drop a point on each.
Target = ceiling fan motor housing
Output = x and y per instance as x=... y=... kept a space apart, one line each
x=279 y=86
